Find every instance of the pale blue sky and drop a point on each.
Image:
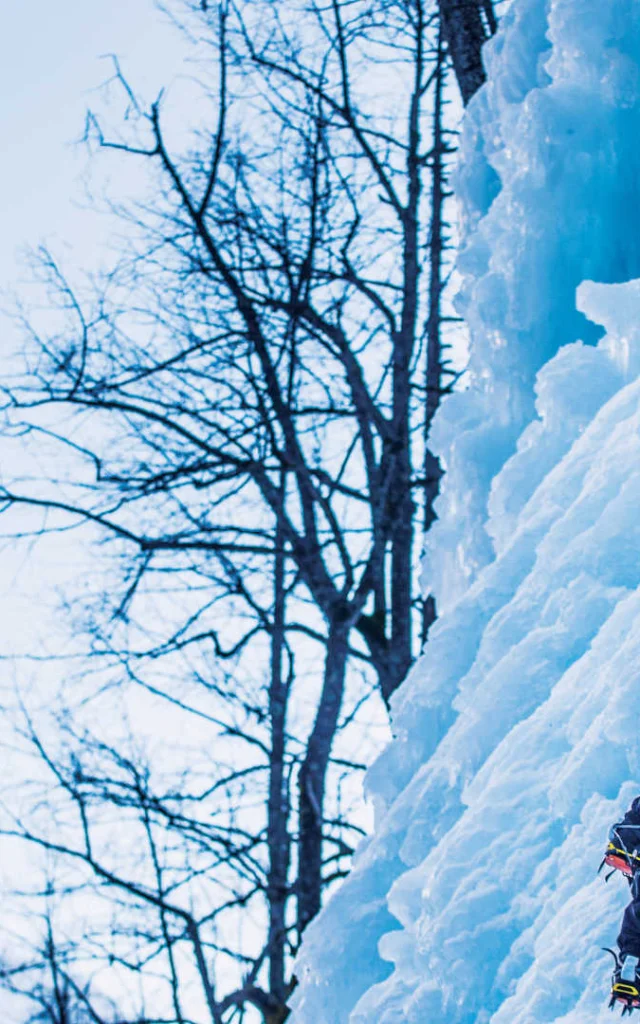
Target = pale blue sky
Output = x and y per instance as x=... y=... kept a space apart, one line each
x=51 y=64
x=50 y=61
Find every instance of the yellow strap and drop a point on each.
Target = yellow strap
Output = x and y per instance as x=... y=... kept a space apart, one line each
x=625 y=853
x=627 y=990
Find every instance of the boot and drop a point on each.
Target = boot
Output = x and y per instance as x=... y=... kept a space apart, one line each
x=625 y=987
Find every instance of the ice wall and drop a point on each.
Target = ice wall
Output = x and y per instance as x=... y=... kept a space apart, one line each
x=548 y=185
x=516 y=738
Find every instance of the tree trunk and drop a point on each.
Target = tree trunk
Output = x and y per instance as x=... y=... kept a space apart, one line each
x=432 y=468
x=466 y=25
x=313 y=774
x=278 y=841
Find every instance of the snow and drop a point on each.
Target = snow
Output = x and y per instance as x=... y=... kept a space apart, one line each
x=515 y=738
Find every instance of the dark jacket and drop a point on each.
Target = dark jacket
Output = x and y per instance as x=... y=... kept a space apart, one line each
x=625 y=834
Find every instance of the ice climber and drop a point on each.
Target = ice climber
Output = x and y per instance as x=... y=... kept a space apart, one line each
x=623 y=854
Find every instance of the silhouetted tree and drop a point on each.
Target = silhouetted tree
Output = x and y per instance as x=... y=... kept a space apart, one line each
x=245 y=401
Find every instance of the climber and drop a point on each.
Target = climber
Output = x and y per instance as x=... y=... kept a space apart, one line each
x=623 y=854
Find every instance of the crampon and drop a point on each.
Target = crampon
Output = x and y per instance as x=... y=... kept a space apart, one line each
x=625 y=984
x=626 y=995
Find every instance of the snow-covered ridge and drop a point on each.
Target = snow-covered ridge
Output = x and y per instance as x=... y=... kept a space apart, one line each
x=517 y=737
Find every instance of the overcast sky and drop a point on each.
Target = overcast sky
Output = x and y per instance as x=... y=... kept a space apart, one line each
x=52 y=61
x=51 y=58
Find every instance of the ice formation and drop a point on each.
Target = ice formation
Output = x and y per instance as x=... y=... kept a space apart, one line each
x=517 y=739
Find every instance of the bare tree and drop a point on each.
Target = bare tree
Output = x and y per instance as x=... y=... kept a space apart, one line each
x=248 y=389
x=145 y=919
x=44 y=984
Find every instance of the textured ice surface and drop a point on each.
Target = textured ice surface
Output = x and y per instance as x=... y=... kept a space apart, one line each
x=549 y=188
x=517 y=738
